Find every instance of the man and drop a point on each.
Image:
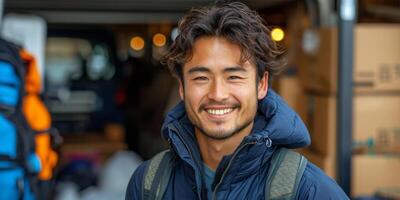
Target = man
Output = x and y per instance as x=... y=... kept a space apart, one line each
x=229 y=125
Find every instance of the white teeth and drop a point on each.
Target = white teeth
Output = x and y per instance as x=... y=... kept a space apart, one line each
x=219 y=111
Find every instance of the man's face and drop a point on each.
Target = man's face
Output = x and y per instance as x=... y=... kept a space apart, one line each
x=220 y=92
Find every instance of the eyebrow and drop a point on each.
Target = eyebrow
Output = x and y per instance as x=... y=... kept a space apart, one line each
x=235 y=69
x=198 y=69
x=205 y=69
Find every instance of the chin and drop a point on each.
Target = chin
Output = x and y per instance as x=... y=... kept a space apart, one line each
x=218 y=134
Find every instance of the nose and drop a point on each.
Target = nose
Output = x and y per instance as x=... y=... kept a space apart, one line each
x=218 y=91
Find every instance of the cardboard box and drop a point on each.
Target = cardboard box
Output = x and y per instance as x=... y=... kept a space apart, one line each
x=322 y=120
x=318 y=68
x=371 y=173
x=291 y=90
x=376 y=119
x=376 y=60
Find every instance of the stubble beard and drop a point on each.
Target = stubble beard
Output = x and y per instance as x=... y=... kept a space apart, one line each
x=223 y=135
x=220 y=135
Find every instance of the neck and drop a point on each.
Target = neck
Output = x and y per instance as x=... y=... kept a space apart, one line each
x=212 y=150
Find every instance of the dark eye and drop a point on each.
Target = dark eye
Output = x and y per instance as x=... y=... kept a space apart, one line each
x=200 y=78
x=234 y=77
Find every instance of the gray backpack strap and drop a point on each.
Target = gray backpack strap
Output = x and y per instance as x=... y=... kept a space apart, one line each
x=287 y=168
x=157 y=175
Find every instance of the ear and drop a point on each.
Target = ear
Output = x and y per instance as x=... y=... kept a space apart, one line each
x=262 y=86
x=181 y=89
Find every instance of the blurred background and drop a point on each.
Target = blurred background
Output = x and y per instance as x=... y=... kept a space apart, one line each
x=107 y=94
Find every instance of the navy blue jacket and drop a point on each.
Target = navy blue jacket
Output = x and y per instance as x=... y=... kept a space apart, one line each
x=241 y=175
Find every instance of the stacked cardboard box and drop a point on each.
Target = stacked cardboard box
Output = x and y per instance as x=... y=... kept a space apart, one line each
x=291 y=90
x=376 y=60
x=376 y=104
x=371 y=173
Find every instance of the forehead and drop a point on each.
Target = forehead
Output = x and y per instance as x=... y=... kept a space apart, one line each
x=215 y=44
x=215 y=53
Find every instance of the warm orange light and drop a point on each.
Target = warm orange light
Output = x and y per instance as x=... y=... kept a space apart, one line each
x=159 y=39
x=137 y=43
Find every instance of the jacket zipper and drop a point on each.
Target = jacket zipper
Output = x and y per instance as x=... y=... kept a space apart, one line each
x=227 y=168
x=186 y=146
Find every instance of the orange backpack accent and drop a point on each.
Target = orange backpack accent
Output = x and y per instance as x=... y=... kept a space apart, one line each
x=38 y=117
x=33 y=83
x=47 y=156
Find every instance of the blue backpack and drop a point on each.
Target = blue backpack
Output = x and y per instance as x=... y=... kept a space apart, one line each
x=18 y=161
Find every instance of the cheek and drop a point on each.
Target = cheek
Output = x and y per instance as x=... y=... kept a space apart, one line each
x=193 y=94
x=245 y=94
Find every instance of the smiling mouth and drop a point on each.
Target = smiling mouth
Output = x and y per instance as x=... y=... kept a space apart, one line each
x=219 y=112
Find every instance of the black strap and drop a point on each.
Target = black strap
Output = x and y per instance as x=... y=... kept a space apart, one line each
x=13 y=162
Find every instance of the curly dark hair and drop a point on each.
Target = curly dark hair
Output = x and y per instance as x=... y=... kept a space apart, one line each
x=233 y=21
